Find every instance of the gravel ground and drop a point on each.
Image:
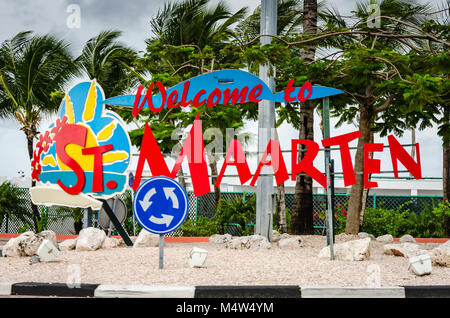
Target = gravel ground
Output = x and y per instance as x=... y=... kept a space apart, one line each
x=293 y=266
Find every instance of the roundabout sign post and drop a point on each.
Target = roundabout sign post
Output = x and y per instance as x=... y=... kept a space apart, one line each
x=160 y=206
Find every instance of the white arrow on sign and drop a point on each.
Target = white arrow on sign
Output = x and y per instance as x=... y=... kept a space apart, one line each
x=170 y=194
x=145 y=203
x=166 y=219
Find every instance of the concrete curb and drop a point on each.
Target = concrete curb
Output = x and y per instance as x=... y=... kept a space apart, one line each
x=352 y=292
x=142 y=291
x=283 y=291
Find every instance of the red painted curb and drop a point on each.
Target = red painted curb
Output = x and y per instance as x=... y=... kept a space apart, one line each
x=168 y=239
x=427 y=240
x=199 y=239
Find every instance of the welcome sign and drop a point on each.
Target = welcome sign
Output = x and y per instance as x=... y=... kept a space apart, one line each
x=86 y=152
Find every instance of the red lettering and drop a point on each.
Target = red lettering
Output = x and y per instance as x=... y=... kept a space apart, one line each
x=97 y=183
x=137 y=98
x=162 y=90
x=239 y=162
x=183 y=101
x=215 y=93
x=71 y=134
x=252 y=96
x=301 y=93
x=306 y=164
x=235 y=95
x=288 y=90
x=371 y=165
x=172 y=99
x=277 y=163
x=193 y=149
x=347 y=166
x=399 y=153
x=196 y=102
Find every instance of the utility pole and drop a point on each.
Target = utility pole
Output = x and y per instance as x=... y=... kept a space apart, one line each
x=266 y=116
x=330 y=216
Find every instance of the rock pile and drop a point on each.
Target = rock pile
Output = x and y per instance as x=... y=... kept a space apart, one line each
x=356 y=250
x=27 y=243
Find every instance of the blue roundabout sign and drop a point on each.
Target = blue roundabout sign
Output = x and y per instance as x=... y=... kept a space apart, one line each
x=160 y=205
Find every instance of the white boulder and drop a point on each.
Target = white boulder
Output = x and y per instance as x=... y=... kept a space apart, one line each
x=31 y=243
x=220 y=239
x=355 y=250
x=387 y=238
x=146 y=239
x=363 y=235
x=90 y=239
x=420 y=265
x=407 y=239
x=248 y=242
x=441 y=255
x=276 y=236
x=68 y=245
x=28 y=243
x=13 y=248
x=402 y=249
x=290 y=242
x=110 y=242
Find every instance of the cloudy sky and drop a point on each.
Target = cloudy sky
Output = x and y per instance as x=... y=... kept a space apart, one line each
x=132 y=17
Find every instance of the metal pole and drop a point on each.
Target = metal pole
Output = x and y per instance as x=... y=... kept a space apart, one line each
x=161 y=251
x=89 y=217
x=116 y=223
x=134 y=218
x=326 y=134
x=266 y=115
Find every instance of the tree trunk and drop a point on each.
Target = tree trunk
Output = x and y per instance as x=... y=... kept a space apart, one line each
x=281 y=201
x=214 y=173
x=366 y=191
x=446 y=174
x=302 y=207
x=181 y=178
x=281 y=208
x=34 y=208
x=78 y=226
x=446 y=185
x=356 y=192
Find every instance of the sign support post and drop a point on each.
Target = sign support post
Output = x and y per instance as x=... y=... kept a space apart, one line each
x=161 y=251
x=329 y=217
x=266 y=115
x=116 y=223
x=160 y=205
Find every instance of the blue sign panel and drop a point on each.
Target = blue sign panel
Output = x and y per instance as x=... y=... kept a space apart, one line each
x=130 y=179
x=160 y=205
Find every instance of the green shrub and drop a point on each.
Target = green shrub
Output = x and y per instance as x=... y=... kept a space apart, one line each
x=428 y=223
x=203 y=226
x=240 y=212
x=14 y=207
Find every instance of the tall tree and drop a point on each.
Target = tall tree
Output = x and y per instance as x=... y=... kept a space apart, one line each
x=32 y=67
x=108 y=61
x=289 y=21
x=188 y=39
x=302 y=207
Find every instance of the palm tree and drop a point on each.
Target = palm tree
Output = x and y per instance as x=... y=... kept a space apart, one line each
x=32 y=67
x=193 y=22
x=205 y=27
x=109 y=62
x=13 y=206
x=373 y=99
x=293 y=18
